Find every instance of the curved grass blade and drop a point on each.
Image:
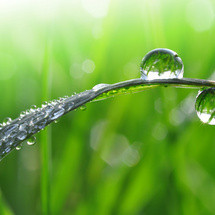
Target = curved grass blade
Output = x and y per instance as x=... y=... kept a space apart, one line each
x=30 y=123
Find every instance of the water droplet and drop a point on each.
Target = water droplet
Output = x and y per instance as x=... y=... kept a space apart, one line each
x=57 y=113
x=161 y=64
x=83 y=107
x=21 y=135
x=33 y=108
x=44 y=104
x=60 y=99
x=7 y=120
x=22 y=114
x=31 y=141
x=18 y=147
x=205 y=106
x=48 y=109
x=23 y=126
x=99 y=87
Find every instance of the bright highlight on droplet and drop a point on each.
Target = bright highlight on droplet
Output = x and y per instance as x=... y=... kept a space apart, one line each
x=31 y=141
x=161 y=64
x=205 y=106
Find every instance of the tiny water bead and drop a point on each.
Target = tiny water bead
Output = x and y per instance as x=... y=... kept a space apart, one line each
x=83 y=107
x=18 y=147
x=31 y=141
x=205 y=106
x=161 y=64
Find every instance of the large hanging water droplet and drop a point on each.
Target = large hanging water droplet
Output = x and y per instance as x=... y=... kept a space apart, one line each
x=161 y=64
x=205 y=106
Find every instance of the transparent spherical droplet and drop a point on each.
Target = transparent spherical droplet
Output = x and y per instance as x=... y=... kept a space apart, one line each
x=205 y=106
x=161 y=64
x=18 y=147
x=33 y=108
x=22 y=114
x=44 y=104
x=31 y=141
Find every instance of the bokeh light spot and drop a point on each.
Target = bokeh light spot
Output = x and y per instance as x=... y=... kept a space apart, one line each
x=88 y=66
x=96 y=8
x=200 y=14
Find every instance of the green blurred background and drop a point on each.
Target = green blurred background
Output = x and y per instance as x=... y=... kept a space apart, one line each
x=145 y=153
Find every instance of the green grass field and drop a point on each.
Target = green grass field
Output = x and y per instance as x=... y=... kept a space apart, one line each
x=143 y=153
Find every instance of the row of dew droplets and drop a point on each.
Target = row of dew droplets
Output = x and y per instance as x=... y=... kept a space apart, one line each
x=30 y=122
x=14 y=131
x=7 y=139
x=5 y=122
x=157 y=64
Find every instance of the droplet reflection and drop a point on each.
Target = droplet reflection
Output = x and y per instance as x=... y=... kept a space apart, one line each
x=161 y=64
x=205 y=106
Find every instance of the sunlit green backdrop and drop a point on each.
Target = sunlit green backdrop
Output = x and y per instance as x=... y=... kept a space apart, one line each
x=145 y=153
